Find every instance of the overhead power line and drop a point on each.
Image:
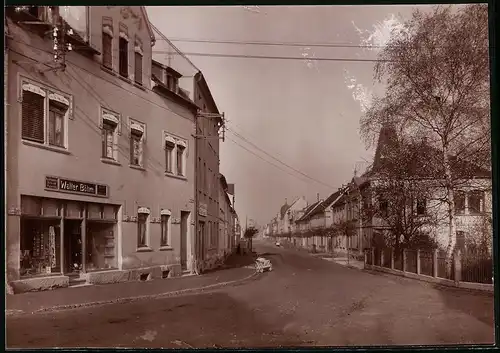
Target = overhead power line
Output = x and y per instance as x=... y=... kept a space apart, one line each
x=286 y=44
x=277 y=159
x=265 y=160
x=243 y=56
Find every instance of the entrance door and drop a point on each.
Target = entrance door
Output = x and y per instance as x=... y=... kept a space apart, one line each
x=73 y=246
x=184 y=235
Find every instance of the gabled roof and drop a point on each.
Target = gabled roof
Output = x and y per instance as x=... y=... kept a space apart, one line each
x=420 y=159
x=283 y=210
x=308 y=211
x=330 y=201
x=148 y=25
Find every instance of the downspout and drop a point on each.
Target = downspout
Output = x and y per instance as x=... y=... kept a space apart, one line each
x=5 y=100
x=196 y=199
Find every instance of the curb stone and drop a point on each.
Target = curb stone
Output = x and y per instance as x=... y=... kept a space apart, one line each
x=180 y=292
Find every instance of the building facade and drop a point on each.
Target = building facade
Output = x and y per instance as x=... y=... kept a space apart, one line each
x=101 y=162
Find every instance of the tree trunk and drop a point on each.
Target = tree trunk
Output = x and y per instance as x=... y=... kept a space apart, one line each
x=452 y=234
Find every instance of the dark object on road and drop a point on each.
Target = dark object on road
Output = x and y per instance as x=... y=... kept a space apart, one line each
x=277 y=243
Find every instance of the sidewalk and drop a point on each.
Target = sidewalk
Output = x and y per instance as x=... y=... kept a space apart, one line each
x=343 y=261
x=101 y=294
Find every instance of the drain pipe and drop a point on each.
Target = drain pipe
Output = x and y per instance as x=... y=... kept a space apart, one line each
x=5 y=134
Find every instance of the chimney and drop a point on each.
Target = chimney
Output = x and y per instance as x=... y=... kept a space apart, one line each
x=317 y=195
x=286 y=201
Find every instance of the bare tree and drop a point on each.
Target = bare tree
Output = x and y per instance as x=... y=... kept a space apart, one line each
x=436 y=73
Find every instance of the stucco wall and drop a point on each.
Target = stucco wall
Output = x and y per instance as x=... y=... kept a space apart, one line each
x=90 y=89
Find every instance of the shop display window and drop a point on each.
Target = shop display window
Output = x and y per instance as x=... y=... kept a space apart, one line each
x=100 y=246
x=40 y=247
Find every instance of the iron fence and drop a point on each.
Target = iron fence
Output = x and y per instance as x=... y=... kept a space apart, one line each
x=387 y=257
x=441 y=264
x=476 y=266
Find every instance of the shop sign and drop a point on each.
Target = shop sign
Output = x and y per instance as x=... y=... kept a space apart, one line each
x=75 y=187
x=203 y=209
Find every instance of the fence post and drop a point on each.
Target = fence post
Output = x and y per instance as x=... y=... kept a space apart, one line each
x=457 y=256
x=404 y=260
x=382 y=257
x=435 y=263
x=366 y=257
x=418 y=261
x=392 y=259
x=373 y=256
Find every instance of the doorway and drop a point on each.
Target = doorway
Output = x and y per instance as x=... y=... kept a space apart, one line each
x=73 y=246
x=184 y=236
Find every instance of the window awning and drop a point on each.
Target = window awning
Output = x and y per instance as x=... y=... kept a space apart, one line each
x=143 y=210
x=58 y=98
x=165 y=212
x=34 y=89
x=169 y=140
x=108 y=30
x=111 y=118
x=137 y=128
x=124 y=35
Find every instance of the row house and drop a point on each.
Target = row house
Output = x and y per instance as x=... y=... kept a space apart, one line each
x=288 y=214
x=227 y=218
x=101 y=158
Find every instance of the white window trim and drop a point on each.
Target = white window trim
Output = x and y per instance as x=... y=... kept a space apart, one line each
x=48 y=94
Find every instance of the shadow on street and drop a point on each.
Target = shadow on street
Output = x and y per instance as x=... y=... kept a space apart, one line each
x=482 y=307
x=206 y=320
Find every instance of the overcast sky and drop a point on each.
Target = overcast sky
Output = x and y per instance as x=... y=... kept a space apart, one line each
x=303 y=113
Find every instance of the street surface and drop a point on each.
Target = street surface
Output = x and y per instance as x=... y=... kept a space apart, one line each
x=305 y=301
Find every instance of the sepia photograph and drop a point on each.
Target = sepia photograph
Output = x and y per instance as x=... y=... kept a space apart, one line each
x=182 y=177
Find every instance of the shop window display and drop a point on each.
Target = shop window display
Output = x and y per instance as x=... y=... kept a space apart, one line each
x=40 y=247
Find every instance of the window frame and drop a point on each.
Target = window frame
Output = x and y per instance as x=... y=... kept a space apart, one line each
x=48 y=94
x=137 y=132
x=107 y=32
x=480 y=198
x=462 y=196
x=165 y=226
x=123 y=61
x=144 y=212
x=138 y=53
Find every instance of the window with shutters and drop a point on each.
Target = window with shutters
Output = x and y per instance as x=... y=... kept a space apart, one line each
x=44 y=115
x=123 y=57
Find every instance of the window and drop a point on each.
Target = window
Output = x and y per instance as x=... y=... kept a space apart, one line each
x=421 y=207
x=459 y=202
x=137 y=131
x=44 y=116
x=138 y=68
x=123 y=57
x=475 y=202
x=165 y=221
x=57 y=112
x=180 y=159
x=107 y=47
x=169 y=153
x=142 y=224
x=460 y=244
x=108 y=140
x=172 y=83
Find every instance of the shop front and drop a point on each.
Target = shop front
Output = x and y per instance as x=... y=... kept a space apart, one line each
x=62 y=240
